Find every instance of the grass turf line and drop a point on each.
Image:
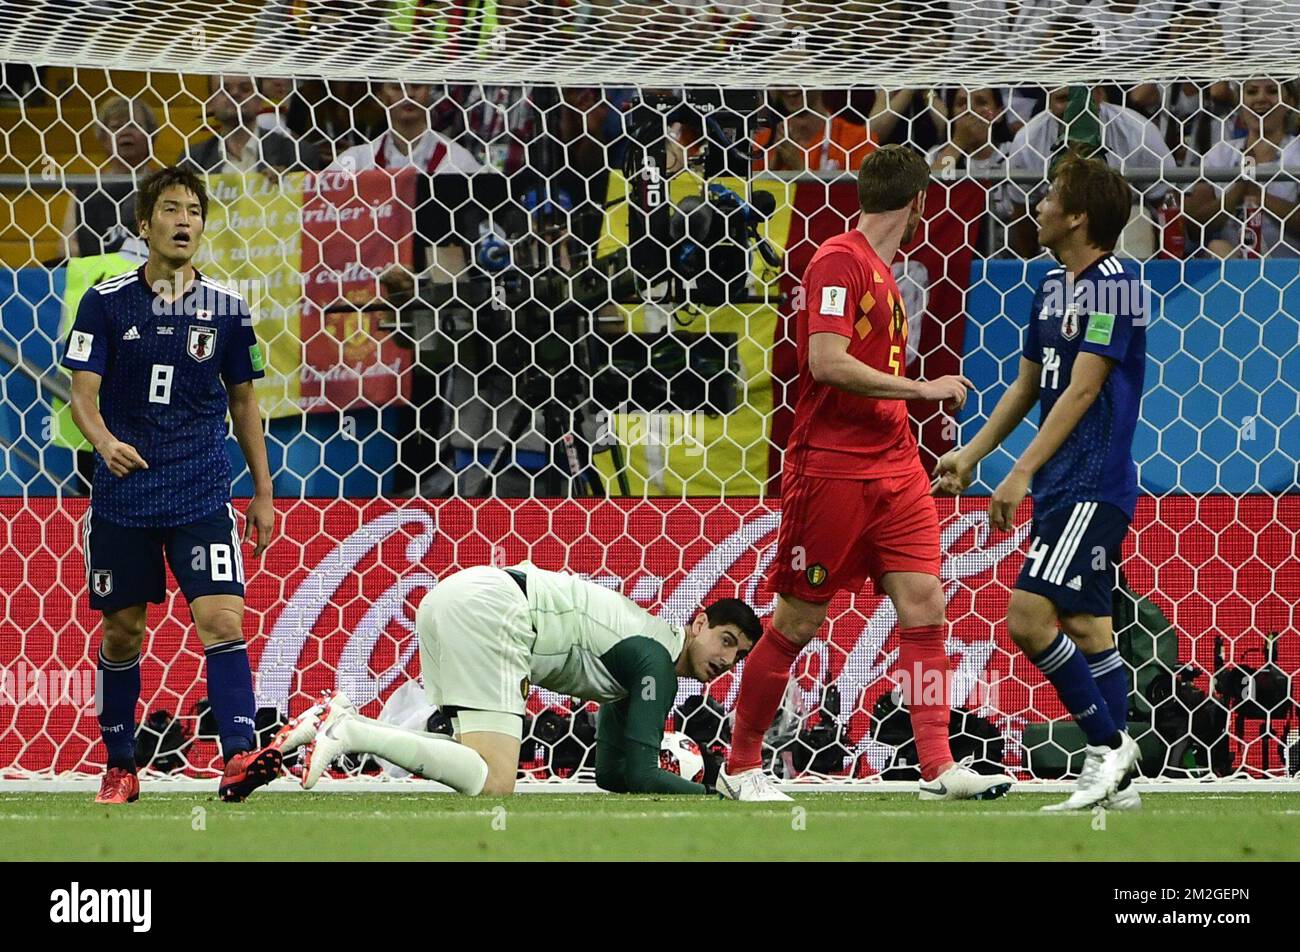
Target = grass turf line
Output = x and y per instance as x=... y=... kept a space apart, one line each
x=847 y=826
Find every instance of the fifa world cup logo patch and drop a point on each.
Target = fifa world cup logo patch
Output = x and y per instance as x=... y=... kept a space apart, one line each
x=202 y=342
x=816 y=574
x=524 y=687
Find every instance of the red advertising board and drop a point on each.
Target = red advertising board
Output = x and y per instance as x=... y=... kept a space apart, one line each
x=333 y=601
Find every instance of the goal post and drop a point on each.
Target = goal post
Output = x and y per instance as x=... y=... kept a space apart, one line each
x=525 y=275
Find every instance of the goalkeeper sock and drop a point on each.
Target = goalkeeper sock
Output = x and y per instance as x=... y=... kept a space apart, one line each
x=1111 y=674
x=923 y=663
x=230 y=692
x=432 y=756
x=1063 y=664
x=762 y=685
x=119 y=692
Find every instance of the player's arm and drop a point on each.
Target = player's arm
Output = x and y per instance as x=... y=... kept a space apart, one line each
x=833 y=285
x=1086 y=380
x=645 y=670
x=242 y=363
x=830 y=362
x=120 y=457
x=956 y=469
x=1105 y=343
x=85 y=353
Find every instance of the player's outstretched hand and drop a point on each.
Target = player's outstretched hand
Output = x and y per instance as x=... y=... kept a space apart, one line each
x=1006 y=499
x=951 y=391
x=952 y=475
x=121 y=458
x=260 y=523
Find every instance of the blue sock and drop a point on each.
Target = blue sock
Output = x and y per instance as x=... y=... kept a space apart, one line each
x=119 y=692
x=1111 y=675
x=1063 y=664
x=230 y=691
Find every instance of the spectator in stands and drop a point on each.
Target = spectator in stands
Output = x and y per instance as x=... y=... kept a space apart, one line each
x=1203 y=115
x=239 y=145
x=976 y=141
x=807 y=136
x=495 y=123
x=409 y=138
x=1255 y=215
x=1128 y=142
x=101 y=217
x=978 y=137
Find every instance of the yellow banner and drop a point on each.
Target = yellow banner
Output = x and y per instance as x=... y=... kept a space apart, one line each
x=253 y=243
x=697 y=454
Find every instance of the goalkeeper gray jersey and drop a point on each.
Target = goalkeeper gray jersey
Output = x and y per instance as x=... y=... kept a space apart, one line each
x=577 y=622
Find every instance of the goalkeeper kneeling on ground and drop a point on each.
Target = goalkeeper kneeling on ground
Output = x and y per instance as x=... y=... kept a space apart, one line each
x=487 y=634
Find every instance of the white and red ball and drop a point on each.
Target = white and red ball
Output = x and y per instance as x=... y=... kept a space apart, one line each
x=680 y=755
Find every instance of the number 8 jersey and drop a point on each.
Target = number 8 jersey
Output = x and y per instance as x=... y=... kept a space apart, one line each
x=1104 y=311
x=165 y=368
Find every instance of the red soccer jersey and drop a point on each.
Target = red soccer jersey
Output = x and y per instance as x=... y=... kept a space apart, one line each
x=849 y=291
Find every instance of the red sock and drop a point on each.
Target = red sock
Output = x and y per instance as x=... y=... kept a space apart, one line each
x=762 y=685
x=923 y=670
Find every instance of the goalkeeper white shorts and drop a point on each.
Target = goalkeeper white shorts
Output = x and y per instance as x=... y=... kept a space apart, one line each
x=476 y=640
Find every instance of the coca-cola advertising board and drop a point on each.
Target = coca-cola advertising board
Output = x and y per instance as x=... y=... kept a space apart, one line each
x=333 y=601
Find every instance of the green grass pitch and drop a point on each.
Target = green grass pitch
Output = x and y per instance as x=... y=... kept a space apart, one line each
x=845 y=826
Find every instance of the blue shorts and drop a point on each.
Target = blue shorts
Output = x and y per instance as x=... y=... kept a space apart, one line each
x=124 y=564
x=1073 y=556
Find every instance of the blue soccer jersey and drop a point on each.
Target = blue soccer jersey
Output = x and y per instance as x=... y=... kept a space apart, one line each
x=1101 y=311
x=163 y=366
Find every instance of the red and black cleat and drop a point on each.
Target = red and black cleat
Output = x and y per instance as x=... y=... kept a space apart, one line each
x=248 y=770
x=118 y=786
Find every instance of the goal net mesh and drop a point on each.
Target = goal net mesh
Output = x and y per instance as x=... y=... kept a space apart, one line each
x=526 y=273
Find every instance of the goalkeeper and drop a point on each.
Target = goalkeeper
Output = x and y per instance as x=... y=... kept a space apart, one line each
x=487 y=634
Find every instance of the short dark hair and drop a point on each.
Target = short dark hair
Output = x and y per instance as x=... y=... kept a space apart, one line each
x=733 y=611
x=1091 y=187
x=890 y=177
x=146 y=196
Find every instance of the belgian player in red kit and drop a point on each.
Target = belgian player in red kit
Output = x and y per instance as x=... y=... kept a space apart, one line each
x=856 y=500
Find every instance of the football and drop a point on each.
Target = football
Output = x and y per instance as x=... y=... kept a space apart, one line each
x=680 y=755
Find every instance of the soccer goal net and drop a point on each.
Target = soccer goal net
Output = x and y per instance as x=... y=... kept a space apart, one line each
x=525 y=275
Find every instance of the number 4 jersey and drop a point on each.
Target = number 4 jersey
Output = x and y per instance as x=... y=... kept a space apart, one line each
x=1102 y=311
x=163 y=366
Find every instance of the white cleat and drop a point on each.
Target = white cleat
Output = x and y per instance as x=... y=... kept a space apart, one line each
x=959 y=782
x=301 y=730
x=329 y=743
x=749 y=786
x=1126 y=799
x=1104 y=771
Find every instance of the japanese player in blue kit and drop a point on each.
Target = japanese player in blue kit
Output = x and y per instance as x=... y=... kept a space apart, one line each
x=158 y=356
x=1083 y=362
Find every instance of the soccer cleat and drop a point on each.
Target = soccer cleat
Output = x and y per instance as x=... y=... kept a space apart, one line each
x=248 y=770
x=118 y=786
x=749 y=785
x=1125 y=799
x=960 y=782
x=329 y=743
x=301 y=730
x=1104 y=771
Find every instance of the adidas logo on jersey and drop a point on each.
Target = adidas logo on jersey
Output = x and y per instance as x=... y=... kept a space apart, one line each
x=132 y=334
x=1075 y=584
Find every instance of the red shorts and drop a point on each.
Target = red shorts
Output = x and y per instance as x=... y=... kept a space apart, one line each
x=837 y=533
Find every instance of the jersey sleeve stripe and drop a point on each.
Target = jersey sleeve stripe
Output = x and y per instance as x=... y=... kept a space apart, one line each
x=213 y=285
x=116 y=284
